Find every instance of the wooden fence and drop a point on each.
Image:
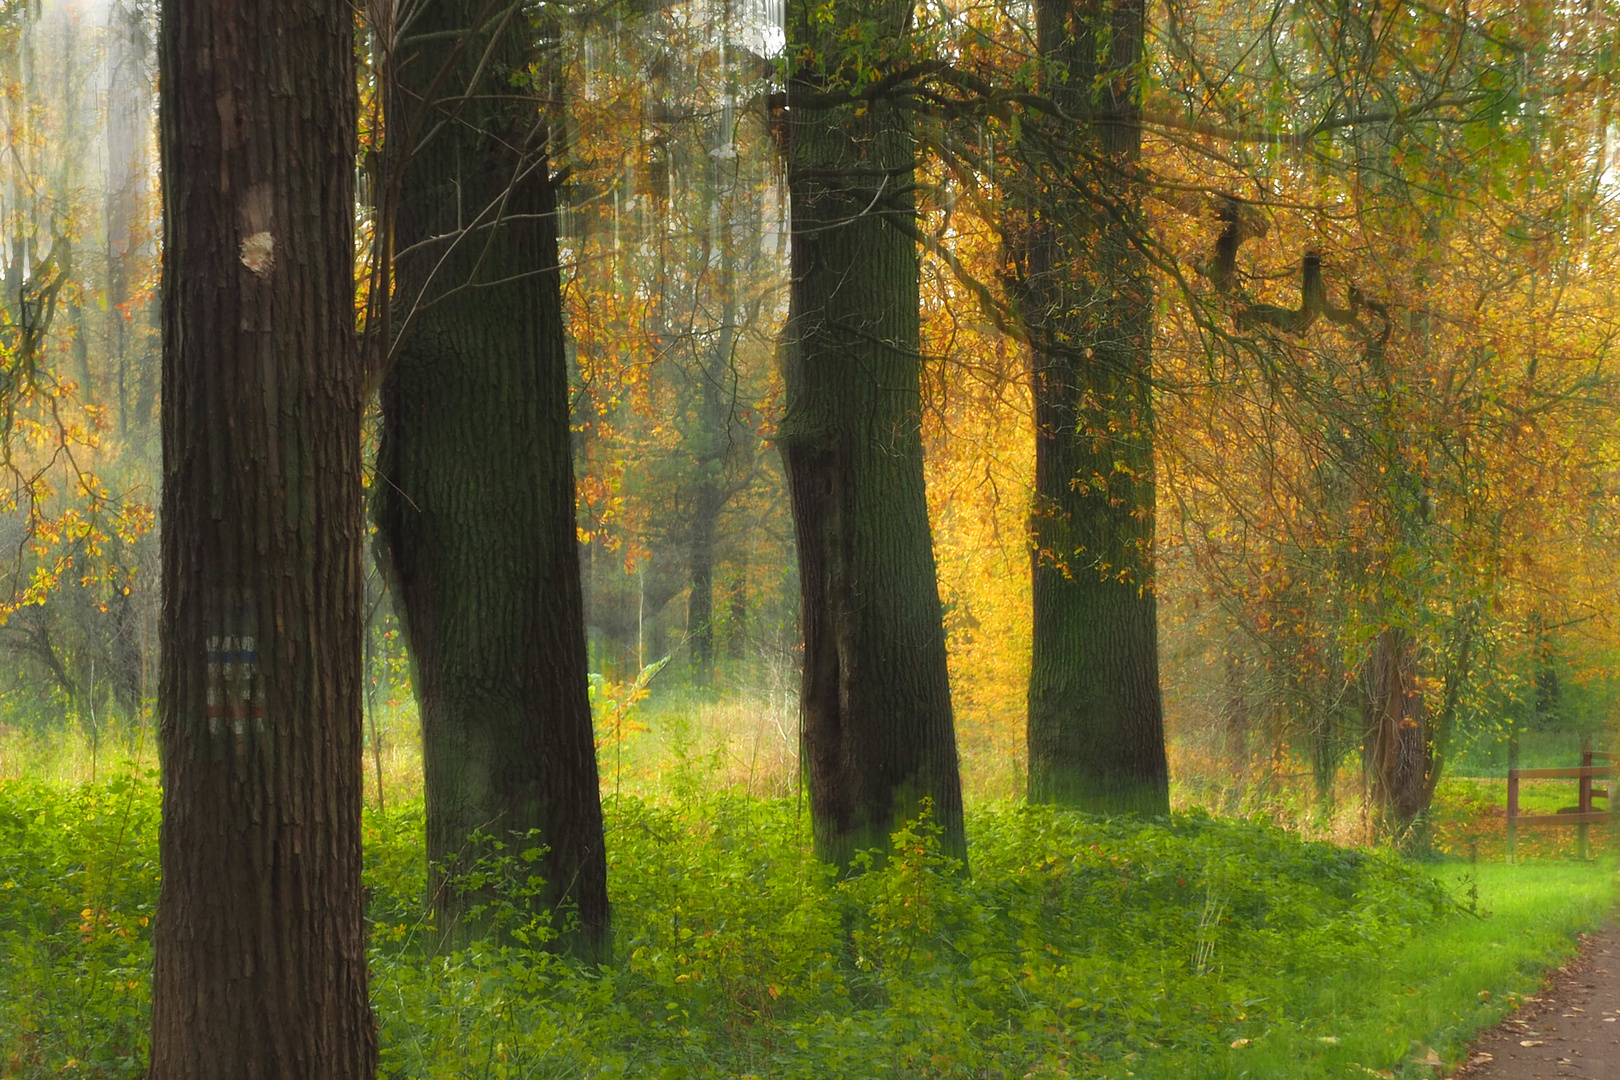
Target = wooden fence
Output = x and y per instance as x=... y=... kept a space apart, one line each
x=1581 y=815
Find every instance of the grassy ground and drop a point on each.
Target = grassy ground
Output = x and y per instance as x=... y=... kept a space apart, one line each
x=1208 y=948
x=1438 y=989
x=1078 y=948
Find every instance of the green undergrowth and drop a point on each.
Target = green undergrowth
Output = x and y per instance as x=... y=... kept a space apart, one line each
x=1076 y=947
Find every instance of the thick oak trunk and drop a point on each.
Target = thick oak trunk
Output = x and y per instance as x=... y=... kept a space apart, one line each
x=878 y=734
x=476 y=495
x=260 y=967
x=1096 y=718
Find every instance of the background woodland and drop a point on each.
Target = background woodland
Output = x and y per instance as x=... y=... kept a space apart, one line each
x=1405 y=476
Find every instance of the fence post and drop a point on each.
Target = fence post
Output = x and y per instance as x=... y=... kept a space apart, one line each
x=1586 y=797
x=1512 y=812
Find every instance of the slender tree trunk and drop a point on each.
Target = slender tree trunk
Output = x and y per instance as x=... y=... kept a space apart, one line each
x=81 y=356
x=718 y=437
x=718 y=441
x=476 y=503
x=128 y=103
x=126 y=655
x=1096 y=718
x=700 y=600
x=73 y=150
x=1440 y=720
x=737 y=616
x=260 y=968
x=877 y=727
x=1548 y=699
x=1234 y=717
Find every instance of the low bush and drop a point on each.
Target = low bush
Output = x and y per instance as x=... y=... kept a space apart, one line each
x=78 y=882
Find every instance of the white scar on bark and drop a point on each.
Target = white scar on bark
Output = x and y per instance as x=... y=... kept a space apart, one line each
x=254 y=215
x=259 y=253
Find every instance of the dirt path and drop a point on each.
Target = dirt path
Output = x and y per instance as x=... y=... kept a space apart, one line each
x=1572 y=1028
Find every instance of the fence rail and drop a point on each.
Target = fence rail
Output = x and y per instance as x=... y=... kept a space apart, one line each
x=1581 y=815
x=1564 y=774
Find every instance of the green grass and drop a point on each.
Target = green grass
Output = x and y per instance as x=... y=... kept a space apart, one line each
x=1077 y=947
x=1535 y=796
x=1427 y=993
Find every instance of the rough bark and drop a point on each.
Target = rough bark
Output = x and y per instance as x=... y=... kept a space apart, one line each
x=476 y=496
x=1096 y=717
x=878 y=734
x=260 y=967
x=1396 y=754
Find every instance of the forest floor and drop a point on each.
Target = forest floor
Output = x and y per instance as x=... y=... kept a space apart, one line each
x=1570 y=1028
x=1197 y=948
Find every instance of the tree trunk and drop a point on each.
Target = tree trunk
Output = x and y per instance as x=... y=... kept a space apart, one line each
x=737 y=619
x=1326 y=752
x=700 y=600
x=878 y=735
x=126 y=655
x=260 y=942
x=1234 y=719
x=716 y=440
x=1096 y=717
x=476 y=501
x=717 y=437
x=1548 y=698
x=1396 y=754
x=128 y=70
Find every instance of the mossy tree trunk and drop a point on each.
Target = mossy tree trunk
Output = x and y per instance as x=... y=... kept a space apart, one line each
x=878 y=735
x=1096 y=719
x=475 y=491
x=260 y=938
